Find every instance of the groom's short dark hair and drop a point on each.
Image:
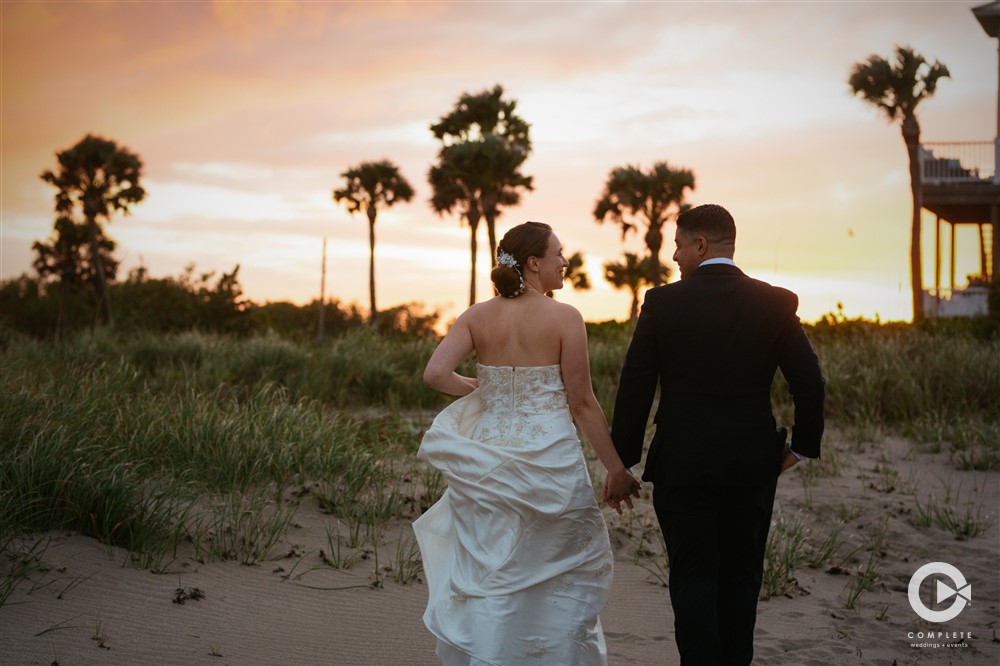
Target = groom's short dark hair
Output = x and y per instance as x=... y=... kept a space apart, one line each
x=709 y=220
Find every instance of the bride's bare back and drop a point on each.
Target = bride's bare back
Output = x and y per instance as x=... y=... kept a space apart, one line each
x=518 y=332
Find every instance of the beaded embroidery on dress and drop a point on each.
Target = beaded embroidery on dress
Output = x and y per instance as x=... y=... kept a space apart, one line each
x=516 y=553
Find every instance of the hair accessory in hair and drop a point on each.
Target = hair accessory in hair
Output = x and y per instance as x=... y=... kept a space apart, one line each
x=504 y=258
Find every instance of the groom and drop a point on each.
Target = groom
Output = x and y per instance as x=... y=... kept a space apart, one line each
x=713 y=342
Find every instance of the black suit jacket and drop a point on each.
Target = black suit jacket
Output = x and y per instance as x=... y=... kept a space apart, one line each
x=713 y=342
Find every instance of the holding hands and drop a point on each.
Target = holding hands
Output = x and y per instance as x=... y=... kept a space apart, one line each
x=788 y=459
x=620 y=486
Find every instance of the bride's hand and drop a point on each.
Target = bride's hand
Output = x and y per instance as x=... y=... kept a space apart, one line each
x=613 y=503
x=470 y=384
x=619 y=486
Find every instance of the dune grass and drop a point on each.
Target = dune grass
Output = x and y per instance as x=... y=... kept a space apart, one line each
x=936 y=388
x=148 y=455
x=155 y=443
x=356 y=370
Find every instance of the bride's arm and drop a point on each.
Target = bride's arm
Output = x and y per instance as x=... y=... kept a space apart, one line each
x=440 y=371
x=587 y=412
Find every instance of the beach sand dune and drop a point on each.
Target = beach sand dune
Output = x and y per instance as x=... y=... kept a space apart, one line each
x=89 y=609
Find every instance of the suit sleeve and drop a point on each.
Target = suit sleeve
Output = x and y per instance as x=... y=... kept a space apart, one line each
x=800 y=366
x=636 y=389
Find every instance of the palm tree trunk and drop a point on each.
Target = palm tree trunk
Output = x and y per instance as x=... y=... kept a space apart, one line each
x=371 y=265
x=473 y=216
x=634 y=313
x=102 y=283
x=491 y=232
x=654 y=241
x=490 y=213
x=911 y=136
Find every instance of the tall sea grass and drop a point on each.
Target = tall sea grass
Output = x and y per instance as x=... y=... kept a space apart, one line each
x=360 y=369
x=151 y=441
x=935 y=387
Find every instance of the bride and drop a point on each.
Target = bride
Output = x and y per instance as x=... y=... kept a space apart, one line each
x=516 y=552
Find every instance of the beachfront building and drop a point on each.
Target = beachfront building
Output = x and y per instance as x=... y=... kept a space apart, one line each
x=960 y=185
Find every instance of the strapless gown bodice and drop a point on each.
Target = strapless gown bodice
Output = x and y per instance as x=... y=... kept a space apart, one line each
x=516 y=553
x=508 y=391
x=520 y=405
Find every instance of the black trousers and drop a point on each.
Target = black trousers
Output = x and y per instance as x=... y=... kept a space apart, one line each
x=715 y=537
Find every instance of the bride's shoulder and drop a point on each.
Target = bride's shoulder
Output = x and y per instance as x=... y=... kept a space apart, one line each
x=480 y=310
x=488 y=305
x=566 y=312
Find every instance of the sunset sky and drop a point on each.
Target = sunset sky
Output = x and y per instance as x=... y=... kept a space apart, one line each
x=246 y=114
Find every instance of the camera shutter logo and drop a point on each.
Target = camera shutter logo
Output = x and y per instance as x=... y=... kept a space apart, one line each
x=960 y=589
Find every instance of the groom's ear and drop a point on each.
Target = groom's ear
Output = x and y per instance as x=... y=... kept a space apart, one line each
x=702 y=245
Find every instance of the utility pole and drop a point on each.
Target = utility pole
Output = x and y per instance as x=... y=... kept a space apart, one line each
x=322 y=294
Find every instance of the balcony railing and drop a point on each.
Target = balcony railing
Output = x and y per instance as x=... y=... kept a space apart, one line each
x=960 y=162
x=969 y=302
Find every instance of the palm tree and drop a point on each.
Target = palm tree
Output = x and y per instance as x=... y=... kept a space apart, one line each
x=456 y=182
x=367 y=187
x=96 y=177
x=896 y=89
x=488 y=118
x=632 y=274
x=632 y=197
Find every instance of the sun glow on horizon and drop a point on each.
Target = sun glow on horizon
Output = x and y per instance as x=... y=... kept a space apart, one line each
x=246 y=117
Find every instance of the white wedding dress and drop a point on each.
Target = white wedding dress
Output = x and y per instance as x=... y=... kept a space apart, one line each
x=516 y=552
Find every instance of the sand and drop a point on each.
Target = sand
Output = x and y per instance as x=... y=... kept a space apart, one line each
x=89 y=609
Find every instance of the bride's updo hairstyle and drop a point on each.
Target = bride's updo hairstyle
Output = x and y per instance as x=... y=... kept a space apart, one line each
x=530 y=239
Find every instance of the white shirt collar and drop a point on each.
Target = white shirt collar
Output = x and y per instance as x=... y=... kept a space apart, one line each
x=717 y=260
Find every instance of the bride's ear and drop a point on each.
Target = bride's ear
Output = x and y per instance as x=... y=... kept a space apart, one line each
x=531 y=263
